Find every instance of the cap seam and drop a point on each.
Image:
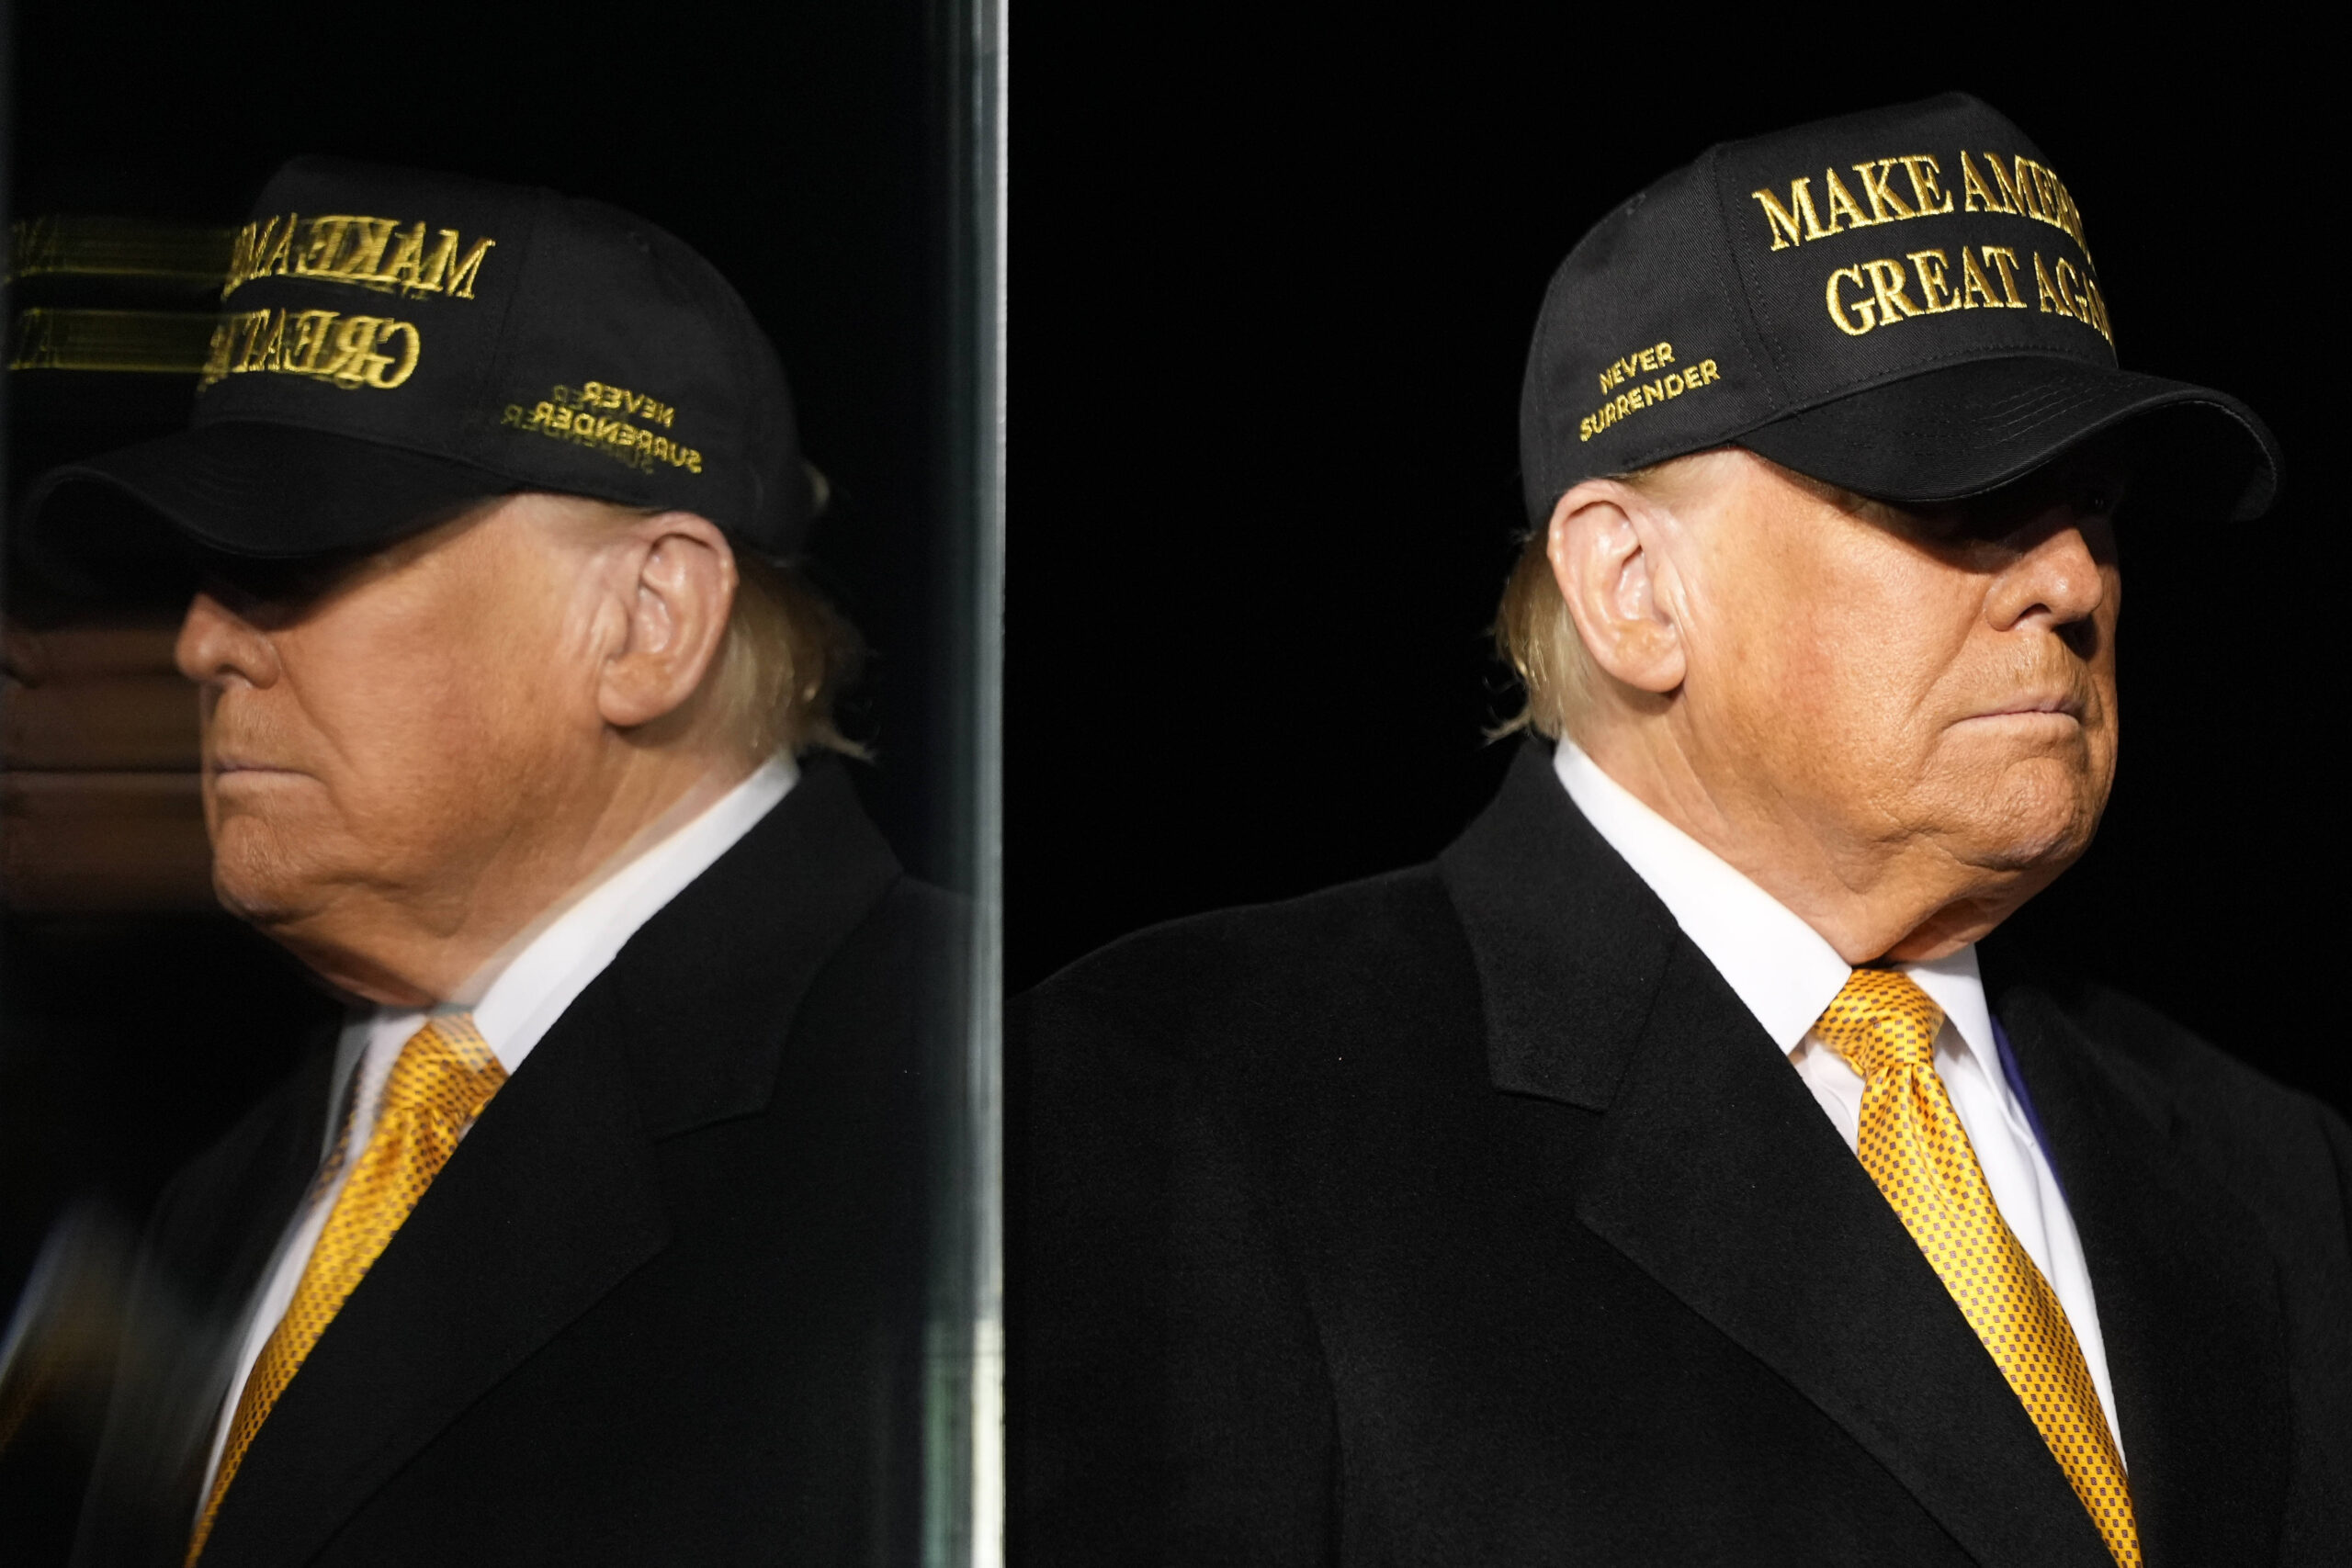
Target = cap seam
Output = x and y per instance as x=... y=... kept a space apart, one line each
x=1781 y=389
x=1961 y=356
x=2168 y=394
x=289 y=422
x=1547 y=326
x=2177 y=397
x=498 y=363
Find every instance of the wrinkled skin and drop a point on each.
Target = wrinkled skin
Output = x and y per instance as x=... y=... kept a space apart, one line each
x=409 y=760
x=1901 y=724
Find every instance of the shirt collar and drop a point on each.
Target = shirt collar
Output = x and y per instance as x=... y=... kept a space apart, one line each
x=520 y=995
x=1783 y=970
x=524 y=997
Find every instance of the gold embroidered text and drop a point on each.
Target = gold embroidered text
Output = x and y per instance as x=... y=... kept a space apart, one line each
x=2019 y=186
x=369 y=252
x=349 y=351
x=1644 y=394
x=596 y=394
x=1876 y=294
x=570 y=415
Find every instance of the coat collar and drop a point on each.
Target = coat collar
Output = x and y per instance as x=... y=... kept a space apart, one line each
x=1560 y=928
x=552 y=1199
x=707 y=990
x=1717 y=1174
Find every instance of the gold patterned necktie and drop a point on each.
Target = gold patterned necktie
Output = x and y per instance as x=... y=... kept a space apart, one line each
x=1913 y=1147
x=445 y=1074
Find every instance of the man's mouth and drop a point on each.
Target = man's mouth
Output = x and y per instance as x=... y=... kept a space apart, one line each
x=2047 y=714
x=225 y=764
x=2067 y=704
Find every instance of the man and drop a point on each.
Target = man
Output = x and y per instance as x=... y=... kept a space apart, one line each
x=1679 y=1170
x=596 y=1236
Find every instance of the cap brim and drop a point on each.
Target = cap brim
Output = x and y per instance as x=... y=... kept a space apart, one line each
x=1965 y=429
x=265 y=491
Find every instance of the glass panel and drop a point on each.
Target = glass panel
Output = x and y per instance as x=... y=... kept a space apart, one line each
x=964 y=1506
x=843 y=168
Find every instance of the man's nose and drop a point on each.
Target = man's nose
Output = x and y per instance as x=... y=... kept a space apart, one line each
x=2057 y=577
x=219 y=647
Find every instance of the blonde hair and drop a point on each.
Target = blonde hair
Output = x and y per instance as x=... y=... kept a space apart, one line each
x=1537 y=638
x=783 y=659
x=787 y=657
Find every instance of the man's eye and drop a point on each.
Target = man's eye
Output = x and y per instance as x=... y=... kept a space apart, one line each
x=1941 y=523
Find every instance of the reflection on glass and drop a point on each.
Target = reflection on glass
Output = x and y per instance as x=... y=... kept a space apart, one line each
x=577 y=1135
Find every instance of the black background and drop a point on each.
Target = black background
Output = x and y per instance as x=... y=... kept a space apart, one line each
x=1277 y=274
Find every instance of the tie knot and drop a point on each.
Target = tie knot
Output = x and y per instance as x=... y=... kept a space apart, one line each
x=1881 y=1022
x=446 y=1071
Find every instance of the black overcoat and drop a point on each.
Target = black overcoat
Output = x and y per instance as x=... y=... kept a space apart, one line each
x=661 y=1305
x=1466 y=1216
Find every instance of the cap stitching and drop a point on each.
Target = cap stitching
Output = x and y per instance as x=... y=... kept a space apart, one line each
x=1742 y=304
x=1758 y=312
x=2014 y=429
x=1542 y=357
x=2020 y=350
x=473 y=438
x=1548 y=351
x=291 y=423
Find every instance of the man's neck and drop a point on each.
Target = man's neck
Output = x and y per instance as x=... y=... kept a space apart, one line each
x=1896 y=898
x=689 y=806
x=422 y=947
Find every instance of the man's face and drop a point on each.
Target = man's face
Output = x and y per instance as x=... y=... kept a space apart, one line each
x=1937 y=688
x=395 y=736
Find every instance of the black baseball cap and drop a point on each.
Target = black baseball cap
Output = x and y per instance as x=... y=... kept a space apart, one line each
x=1901 y=302
x=393 y=344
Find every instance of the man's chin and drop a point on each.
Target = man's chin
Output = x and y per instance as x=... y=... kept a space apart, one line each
x=308 y=931
x=259 y=907
x=2034 y=817
x=2036 y=850
x=260 y=890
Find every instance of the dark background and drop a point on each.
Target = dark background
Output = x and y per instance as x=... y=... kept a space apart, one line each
x=1277 y=271
x=805 y=148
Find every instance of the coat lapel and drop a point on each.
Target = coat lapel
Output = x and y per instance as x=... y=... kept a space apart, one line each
x=2187 y=1298
x=706 y=999
x=1718 y=1176
x=553 y=1198
x=548 y=1205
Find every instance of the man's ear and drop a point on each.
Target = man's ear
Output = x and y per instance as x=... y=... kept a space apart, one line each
x=679 y=573
x=1604 y=545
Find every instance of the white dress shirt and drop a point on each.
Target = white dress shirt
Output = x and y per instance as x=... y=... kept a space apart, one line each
x=518 y=997
x=1788 y=974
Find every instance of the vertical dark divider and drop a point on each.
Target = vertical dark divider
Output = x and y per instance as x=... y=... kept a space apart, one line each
x=964 y=1416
